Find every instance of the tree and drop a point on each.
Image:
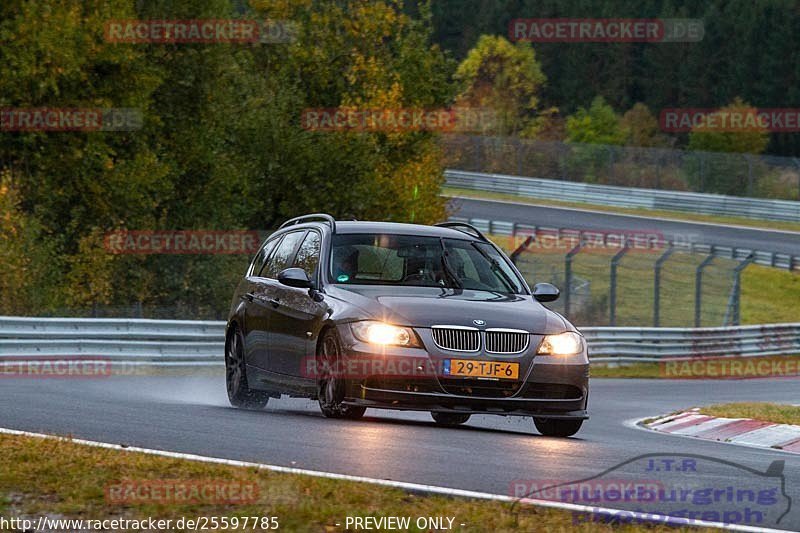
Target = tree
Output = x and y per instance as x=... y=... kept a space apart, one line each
x=643 y=128
x=28 y=263
x=597 y=125
x=749 y=140
x=505 y=78
x=717 y=168
x=221 y=147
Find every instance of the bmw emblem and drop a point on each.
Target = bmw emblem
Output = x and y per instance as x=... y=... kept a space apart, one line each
x=479 y=322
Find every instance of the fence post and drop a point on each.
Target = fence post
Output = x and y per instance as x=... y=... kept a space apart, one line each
x=736 y=291
x=657 y=285
x=797 y=164
x=521 y=248
x=702 y=157
x=610 y=165
x=612 y=297
x=568 y=274
x=749 y=175
x=698 y=286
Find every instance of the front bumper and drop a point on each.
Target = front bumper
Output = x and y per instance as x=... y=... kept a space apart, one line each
x=548 y=387
x=415 y=401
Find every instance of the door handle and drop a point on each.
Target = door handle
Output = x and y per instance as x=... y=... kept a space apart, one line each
x=274 y=302
x=249 y=296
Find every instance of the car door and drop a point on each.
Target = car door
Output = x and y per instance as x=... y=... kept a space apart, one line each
x=257 y=309
x=266 y=299
x=298 y=316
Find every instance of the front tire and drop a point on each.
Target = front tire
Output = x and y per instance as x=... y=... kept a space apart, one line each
x=331 y=385
x=449 y=419
x=239 y=392
x=553 y=427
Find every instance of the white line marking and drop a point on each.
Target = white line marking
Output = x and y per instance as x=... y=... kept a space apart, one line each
x=432 y=489
x=642 y=217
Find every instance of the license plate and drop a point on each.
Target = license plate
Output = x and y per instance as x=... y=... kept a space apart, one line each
x=481 y=369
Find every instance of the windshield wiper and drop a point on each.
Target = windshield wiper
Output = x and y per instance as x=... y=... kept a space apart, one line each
x=497 y=269
x=448 y=270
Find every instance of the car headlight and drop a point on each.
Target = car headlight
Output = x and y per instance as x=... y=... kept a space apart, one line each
x=375 y=332
x=568 y=343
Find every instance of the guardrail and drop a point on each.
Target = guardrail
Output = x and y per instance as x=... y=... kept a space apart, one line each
x=126 y=340
x=658 y=344
x=631 y=197
x=183 y=342
x=499 y=227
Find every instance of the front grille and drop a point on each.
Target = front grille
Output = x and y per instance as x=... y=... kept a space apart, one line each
x=506 y=340
x=458 y=339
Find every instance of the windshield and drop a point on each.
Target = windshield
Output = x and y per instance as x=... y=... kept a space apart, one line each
x=408 y=260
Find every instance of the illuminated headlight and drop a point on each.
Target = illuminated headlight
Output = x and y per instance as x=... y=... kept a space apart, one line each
x=382 y=333
x=568 y=343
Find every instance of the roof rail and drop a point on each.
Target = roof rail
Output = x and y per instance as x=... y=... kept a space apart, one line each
x=471 y=230
x=309 y=218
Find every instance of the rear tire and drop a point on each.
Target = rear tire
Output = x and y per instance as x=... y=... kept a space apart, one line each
x=331 y=385
x=449 y=419
x=239 y=392
x=553 y=427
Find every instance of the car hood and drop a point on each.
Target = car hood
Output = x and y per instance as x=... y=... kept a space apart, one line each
x=429 y=306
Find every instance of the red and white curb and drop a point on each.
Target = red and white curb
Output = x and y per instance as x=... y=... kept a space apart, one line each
x=743 y=431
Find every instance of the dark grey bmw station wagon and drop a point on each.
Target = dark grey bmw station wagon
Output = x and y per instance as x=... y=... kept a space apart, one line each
x=401 y=316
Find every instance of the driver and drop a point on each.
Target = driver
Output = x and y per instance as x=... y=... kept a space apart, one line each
x=345 y=263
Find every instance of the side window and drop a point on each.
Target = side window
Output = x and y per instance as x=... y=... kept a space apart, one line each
x=282 y=255
x=308 y=254
x=261 y=257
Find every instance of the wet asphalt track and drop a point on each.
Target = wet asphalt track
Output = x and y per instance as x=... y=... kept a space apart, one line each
x=752 y=239
x=191 y=415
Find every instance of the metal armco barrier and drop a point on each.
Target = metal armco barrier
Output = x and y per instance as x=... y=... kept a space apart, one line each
x=143 y=341
x=186 y=342
x=658 y=344
x=632 y=197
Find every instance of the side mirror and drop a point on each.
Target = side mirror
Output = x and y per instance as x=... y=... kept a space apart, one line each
x=295 y=277
x=545 y=292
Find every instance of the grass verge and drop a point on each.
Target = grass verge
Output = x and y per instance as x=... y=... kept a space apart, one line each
x=711 y=368
x=767 y=412
x=674 y=215
x=61 y=479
